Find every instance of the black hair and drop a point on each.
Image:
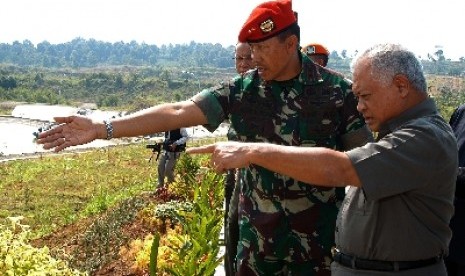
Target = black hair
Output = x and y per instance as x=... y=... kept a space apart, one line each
x=293 y=29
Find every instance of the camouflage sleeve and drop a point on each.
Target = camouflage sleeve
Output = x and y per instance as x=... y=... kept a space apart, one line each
x=356 y=138
x=213 y=102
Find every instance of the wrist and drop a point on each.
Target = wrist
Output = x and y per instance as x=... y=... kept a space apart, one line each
x=108 y=130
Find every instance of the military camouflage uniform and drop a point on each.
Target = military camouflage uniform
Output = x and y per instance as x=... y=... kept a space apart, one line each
x=286 y=226
x=231 y=223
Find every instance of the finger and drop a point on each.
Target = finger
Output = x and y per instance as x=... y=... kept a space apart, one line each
x=201 y=149
x=220 y=170
x=212 y=163
x=57 y=145
x=52 y=132
x=63 y=120
x=62 y=147
x=218 y=167
x=49 y=136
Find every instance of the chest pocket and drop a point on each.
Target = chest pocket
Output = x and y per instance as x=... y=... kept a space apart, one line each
x=319 y=116
x=253 y=116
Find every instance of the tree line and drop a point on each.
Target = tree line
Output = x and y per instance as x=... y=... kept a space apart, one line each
x=132 y=75
x=80 y=53
x=115 y=87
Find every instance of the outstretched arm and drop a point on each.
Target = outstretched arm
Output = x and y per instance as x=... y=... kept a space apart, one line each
x=78 y=130
x=320 y=166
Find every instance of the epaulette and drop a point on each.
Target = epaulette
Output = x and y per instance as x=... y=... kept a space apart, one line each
x=310 y=71
x=222 y=85
x=251 y=73
x=331 y=71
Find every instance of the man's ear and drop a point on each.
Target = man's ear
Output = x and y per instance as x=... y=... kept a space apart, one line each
x=292 y=43
x=403 y=84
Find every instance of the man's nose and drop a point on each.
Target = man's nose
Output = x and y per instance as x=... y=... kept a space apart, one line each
x=255 y=57
x=360 y=106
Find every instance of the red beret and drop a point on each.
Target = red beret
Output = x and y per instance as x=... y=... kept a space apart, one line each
x=315 y=48
x=266 y=20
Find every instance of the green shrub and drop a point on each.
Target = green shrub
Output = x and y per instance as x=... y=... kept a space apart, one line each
x=18 y=257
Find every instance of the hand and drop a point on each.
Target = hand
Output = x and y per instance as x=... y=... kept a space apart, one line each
x=70 y=131
x=172 y=147
x=225 y=155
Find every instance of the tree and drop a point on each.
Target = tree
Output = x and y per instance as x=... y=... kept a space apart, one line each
x=8 y=82
x=440 y=55
x=344 y=54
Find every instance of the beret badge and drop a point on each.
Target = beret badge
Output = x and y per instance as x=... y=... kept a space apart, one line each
x=267 y=26
x=311 y=50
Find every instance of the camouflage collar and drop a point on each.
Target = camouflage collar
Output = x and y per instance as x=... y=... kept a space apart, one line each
x=310 y=73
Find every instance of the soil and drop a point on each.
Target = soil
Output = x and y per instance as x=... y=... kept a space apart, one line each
x=69 y=238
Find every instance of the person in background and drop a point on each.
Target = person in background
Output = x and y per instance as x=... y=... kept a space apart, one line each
x=243 y=63
x=395 y=217
x=317 y=52
x=286 y=227
x=173 y=145
x=242 y=58
x=455 y=261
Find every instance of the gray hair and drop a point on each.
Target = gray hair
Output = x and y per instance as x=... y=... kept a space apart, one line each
x=389 y=60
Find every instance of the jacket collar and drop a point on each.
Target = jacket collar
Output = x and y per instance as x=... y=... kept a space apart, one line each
x=423 y=109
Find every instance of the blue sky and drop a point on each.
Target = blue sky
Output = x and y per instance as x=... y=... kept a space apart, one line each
x=423 y=26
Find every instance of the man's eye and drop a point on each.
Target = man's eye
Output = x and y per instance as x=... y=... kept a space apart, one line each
x=361 y=96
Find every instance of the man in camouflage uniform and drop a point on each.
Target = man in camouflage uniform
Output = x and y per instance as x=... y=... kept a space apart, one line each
x=286 y=227
x=243 y=63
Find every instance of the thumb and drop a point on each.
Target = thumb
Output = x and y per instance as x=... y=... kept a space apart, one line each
x=201 y=149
